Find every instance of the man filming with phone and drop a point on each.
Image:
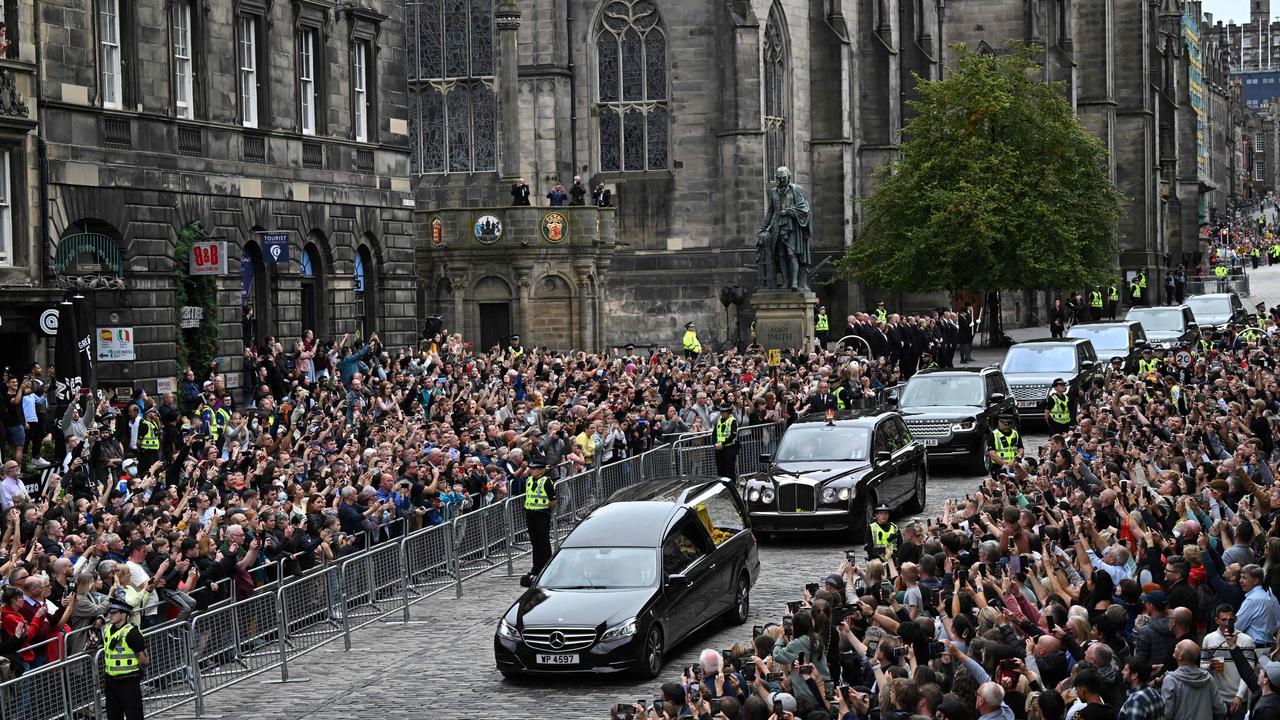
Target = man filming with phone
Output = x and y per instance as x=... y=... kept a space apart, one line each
x=1217 y=657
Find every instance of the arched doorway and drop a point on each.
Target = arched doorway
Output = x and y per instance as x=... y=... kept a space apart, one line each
x=255 y=295
x=366 y=286
x=312 y=272
x=493 y=304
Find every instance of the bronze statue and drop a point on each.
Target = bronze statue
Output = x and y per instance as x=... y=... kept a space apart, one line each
x=782 y=242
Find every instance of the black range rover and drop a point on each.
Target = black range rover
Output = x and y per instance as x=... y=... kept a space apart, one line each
x=1031 y=367
x=830 y=473
x=952 y=412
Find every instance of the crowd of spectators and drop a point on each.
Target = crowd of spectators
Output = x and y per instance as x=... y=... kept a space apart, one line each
x=186 y=499
x=1128 y=568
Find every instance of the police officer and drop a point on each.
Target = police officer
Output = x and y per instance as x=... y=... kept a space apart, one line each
x=1057 y=409
x=1113 y=301
x=514 y=349
x=692 y=348
x=149 y=439
x=1006 y=444
x=539 y=504
x=124 y=653
x=927 y=362
x=1220 y=272
x=726 y=430
x=882 y=315
x=1095 y=304
x=1138 y=288
x=1147 y=364
x=822 y=327
x=882 y=536
x=1260 y=317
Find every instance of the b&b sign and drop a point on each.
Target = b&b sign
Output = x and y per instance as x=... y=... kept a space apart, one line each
x=208 y=258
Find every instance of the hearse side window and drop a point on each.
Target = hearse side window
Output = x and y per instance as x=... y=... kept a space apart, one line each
x=718 y=513
x=683 y=548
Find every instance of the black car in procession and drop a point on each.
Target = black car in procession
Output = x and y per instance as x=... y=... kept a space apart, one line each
x=1124 y=339
x=830 y=473
x=1168 y=327
x=1218 y=310
x=952 y=412
x=1031 y=367
x=639 y=574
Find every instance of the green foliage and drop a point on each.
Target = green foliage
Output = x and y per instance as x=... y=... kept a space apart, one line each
x=999 y=186
x=198 y=349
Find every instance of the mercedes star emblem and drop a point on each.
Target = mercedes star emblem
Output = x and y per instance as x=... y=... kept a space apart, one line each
x=556 y=640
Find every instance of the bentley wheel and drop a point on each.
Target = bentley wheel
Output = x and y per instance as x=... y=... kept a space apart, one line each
x=916 y=503
x=651 y=660
x=741 y=603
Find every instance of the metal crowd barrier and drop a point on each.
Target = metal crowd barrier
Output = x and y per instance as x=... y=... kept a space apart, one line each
x=238 y=639
x=1236 y=282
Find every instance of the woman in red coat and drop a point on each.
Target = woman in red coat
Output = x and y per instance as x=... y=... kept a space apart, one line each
x=15 y=632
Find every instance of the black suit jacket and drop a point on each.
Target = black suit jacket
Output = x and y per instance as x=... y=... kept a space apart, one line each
x=966 y=328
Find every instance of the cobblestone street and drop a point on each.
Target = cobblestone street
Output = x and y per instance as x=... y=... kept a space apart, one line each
x=441 y=666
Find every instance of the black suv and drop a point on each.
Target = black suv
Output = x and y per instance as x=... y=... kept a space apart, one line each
x=1123 y=339
x=1218 y=310
x=1031 y=367
x=1168 y=327
x=830 y=473
x=952 y=412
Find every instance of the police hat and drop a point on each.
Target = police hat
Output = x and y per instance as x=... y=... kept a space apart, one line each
x=1148 y=349
x=116 y=603
x=882 y=508
x=1059 y=381
x=1004 y=419
x=690 y=324
x=726 y=407
x=537 y=463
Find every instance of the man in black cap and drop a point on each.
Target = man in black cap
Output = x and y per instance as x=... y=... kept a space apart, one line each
x=726 y=430
x=1006 y=445
x=822 y=327
x=882 y=536
x=539 y=505
x=514 y=349
x=124 y=660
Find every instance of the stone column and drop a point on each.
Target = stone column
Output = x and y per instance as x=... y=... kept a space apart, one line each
x=524 y=305
x=507 y=20
x=458 y=280
x=584 y=306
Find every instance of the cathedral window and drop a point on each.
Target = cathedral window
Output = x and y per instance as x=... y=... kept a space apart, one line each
x=776 y=95
x=452 y=106
x=631 y=87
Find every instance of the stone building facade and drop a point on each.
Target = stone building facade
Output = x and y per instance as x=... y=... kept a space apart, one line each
x=250 y=117
x=684 y=109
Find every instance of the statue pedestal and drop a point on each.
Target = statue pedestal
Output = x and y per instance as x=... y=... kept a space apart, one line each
x=784 y=319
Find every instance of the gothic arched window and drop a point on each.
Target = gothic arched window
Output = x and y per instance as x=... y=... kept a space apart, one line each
x=631 y=89
x=452 y=107
x=776 y=92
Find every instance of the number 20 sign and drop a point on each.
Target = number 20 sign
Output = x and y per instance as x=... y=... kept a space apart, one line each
x=209 y=258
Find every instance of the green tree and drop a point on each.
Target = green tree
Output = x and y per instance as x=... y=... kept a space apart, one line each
x=998 y=187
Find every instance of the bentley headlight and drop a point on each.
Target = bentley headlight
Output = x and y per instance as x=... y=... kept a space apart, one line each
x=828 y=495
x=506 y=631
x=964 y=425
x=767 y=495
x=844 y=493
x=754 y=495
x=618 y=632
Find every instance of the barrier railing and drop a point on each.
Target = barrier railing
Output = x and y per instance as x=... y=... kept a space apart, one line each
x=288 y=617
x=1200 y=285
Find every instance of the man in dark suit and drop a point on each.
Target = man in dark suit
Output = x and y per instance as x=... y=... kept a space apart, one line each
x=897 y=337
x=967 y=330
x=950 y=339
x=822 y=400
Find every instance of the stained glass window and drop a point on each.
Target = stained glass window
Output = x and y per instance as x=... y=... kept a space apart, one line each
x=776 y=95
x=452 y=105
x=631 y=98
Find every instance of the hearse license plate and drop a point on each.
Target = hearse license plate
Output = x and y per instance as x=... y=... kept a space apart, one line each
x=929 y=442
x=557 y=659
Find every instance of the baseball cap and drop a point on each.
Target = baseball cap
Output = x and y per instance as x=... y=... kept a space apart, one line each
x=1155 y=597
x=787 y=700
x=833 y=580
x=1272 y=669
